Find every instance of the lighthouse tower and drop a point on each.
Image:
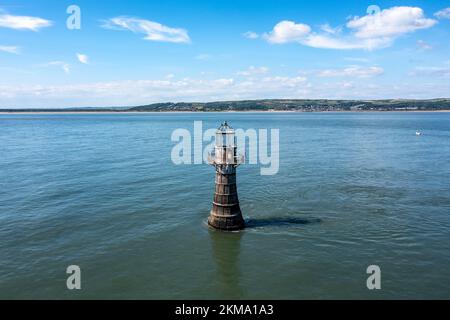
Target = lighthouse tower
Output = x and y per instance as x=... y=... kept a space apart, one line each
x=225 y=213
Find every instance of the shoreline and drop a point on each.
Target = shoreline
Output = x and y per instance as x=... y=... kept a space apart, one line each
x=202 y=112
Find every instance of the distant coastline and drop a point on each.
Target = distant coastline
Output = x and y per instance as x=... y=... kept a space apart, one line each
x=267 y=105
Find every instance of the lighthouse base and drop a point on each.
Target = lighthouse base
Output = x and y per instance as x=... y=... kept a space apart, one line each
x=226 y=223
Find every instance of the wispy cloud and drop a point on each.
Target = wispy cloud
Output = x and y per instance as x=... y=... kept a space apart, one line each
x=10 y=49
x=23 y=22
x=63 y=65
x=422 y=45
x=203 y=56
x=83 y=58
x=443 y=14
x=369 y=32
x=250 y=35
x=153 y=31
x=329 y=29
x=251 y=71
x=352 y=71
x=441 y=71
x=364 y=60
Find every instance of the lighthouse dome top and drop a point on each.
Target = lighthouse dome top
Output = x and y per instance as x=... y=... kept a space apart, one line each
x=225 y=128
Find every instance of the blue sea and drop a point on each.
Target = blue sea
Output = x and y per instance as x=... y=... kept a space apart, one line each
x=100 y=191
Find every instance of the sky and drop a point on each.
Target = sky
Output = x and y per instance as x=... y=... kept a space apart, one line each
x=126 y=53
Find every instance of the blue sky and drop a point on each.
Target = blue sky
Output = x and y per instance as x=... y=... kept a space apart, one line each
x=136 y=52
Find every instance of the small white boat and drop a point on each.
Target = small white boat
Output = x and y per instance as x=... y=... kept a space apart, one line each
x=418 y=133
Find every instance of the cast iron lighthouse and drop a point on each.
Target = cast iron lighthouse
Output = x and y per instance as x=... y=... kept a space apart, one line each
x=225 y=213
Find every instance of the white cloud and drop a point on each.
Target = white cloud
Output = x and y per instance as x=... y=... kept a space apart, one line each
x=10 y=49
x=391 y=22
x=373 y=31
x=83 y=58
x=251 y=71
x=251 y=35
x=349 y=43
x=443 y=14
x=153 y=31
x=352 y=71
x=23 y=22
x=287 y=31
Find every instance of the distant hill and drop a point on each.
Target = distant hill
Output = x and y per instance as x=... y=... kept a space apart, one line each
x=301 y=105
x=271 y=105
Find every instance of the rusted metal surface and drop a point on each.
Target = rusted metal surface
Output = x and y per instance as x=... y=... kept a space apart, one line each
x=225 y=213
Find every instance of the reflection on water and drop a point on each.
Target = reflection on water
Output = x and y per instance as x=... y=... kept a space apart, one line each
x=279 y=222
x=226 y=247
